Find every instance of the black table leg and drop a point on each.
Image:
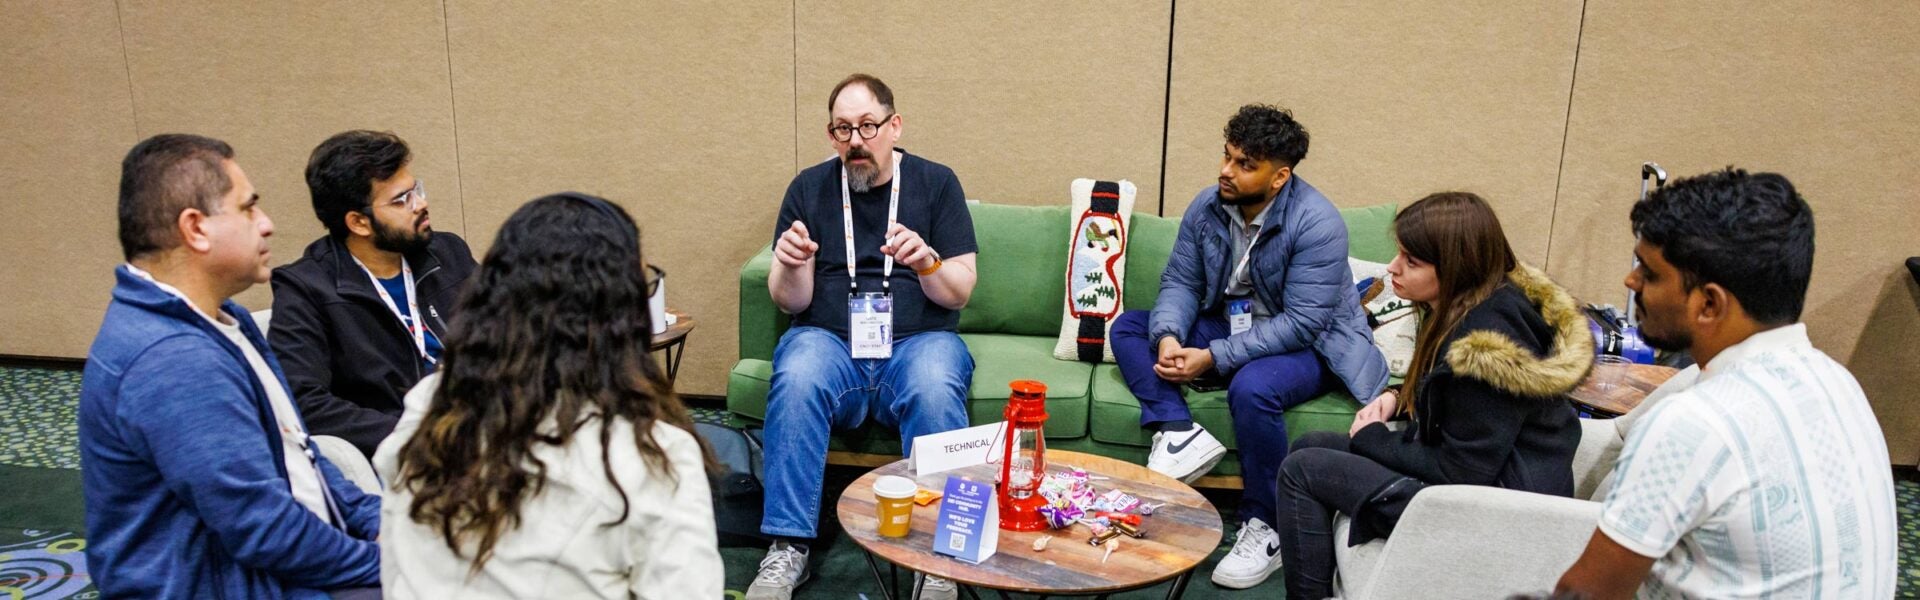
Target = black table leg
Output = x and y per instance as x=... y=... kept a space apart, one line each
x=886 y=590
x=1179 y=586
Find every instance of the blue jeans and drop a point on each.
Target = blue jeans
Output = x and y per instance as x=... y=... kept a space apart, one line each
x=818 y=388
x=1258 y=393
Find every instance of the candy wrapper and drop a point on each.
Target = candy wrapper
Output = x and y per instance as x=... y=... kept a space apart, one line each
x=1068 y=494
x=1116 y=501
x=1061 y=515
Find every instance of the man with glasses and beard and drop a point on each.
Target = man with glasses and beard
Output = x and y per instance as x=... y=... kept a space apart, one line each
x=1257 y=297
x=359 y=318
x=874 y=258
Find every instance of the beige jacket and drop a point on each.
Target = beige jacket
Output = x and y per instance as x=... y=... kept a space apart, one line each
x=563 y=547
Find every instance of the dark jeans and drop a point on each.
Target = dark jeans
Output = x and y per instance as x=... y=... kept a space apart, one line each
x=1258 y=395
x=1322 y=476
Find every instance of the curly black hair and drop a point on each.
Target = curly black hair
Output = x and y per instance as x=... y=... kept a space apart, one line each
x=1750 y=233
x=554 y=326
x=1265 y=132
x=341 y=172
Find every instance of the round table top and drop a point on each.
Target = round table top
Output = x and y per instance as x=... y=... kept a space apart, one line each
x=674 y=333
x=1179 y=535
x=1639 y=381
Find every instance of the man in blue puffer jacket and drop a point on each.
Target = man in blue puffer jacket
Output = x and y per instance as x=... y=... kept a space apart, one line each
x=199 y=478
x=1256 y=294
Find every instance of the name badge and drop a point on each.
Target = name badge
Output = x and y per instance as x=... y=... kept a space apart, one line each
x=1239 y=315
x=870 y=325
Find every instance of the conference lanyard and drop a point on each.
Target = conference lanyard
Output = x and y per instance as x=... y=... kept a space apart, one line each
x=846 y=221
x=416 y=327
x=1245 y=259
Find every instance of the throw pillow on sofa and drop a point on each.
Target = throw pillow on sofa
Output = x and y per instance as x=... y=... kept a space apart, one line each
x=1096 y=268
x=1395 y=320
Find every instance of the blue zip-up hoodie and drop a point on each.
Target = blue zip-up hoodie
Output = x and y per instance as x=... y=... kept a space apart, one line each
x=186 y=490
x=1299 y=269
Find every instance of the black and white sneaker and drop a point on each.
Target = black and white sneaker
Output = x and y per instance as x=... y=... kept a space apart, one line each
x=1255 y=556
x=1185 y=455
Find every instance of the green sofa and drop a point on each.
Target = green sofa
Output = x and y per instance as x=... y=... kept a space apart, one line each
x=1011 y=325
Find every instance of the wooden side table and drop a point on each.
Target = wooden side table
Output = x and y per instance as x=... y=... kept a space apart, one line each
x=1180 y=535
x=673 y=342
x=1640 y=380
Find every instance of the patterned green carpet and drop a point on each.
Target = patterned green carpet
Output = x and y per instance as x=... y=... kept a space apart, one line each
x=42 y=531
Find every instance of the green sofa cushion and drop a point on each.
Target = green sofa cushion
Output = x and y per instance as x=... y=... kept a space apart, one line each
x=1023 y=264
x=1116 y=413
x=1148 y=246
x=997 y=360
x=1001 y=359
x=1370 y=232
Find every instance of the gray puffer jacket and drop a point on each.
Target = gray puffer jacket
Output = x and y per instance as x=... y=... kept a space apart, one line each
x=1299 y=270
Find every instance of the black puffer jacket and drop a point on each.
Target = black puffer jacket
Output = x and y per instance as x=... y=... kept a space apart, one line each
x=1495 y=411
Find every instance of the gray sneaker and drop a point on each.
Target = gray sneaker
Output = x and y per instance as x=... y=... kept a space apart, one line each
x=784 y=568
x=936 y=588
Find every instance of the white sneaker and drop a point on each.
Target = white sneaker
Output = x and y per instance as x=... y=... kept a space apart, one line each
x=1185 y=455
x=784 y=568
x=937 y=588
x=1255 y=555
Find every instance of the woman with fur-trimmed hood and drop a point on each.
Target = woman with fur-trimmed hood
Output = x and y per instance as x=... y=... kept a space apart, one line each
x=1499 y=348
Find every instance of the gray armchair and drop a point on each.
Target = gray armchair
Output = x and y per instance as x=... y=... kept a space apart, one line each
x=1463 y=541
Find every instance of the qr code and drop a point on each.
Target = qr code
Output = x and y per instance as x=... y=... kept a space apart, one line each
x=957 y=542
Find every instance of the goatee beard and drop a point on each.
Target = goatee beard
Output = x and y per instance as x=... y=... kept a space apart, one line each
x=1240 y=199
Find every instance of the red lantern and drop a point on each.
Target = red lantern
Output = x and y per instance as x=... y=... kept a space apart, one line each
x=1025 y=461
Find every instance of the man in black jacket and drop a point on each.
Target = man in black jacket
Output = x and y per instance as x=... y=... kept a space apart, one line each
x=360 y=317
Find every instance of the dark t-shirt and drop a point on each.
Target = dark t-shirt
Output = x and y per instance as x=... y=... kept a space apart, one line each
x=931 y=204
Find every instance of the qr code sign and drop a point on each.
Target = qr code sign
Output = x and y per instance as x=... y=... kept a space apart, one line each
x=957 y=542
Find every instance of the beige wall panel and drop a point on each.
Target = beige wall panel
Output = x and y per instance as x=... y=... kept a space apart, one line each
x=681 y=112
x=1401 y=99
x=1821 y=92
x=276 y=78
x=1020 y=98
x=65 y=122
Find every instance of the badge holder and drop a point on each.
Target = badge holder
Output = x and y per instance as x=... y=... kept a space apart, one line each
x=870 y=324
x=1239 y=316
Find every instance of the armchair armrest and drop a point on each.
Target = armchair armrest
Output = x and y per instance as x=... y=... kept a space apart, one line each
x=761 y=323
x=1460 y=541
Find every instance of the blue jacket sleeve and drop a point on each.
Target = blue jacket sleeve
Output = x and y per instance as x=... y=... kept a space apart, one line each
x=187 y=404
x=1316 y=284
x=1182 y=284
x=361 y=510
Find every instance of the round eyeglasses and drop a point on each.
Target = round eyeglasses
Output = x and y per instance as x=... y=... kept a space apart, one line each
x=844 y=132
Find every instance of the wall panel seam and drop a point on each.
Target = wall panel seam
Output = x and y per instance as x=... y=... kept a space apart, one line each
x=453 y=111
x=126 y=61
x=1166 y=108
x=1566 y=132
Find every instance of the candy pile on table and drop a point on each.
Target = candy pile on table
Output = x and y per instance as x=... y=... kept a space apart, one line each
x=1071 y=499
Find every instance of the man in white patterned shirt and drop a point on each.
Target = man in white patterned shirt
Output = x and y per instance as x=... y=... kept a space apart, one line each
x=1767 y=477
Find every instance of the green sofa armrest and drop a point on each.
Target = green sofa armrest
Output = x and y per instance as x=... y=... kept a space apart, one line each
x=761 y=324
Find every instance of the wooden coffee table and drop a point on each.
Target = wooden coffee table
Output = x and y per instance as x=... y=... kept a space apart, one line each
x=1179 y=536
x=1639 y=381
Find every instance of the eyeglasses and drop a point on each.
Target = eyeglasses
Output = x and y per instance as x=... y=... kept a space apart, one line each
x=412 y=199
x=844 y=132
x=654 y=275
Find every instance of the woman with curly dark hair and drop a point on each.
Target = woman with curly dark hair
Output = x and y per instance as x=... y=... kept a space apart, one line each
x=549 y=457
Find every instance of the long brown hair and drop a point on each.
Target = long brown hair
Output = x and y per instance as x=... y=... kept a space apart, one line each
x=553 y=326
x=1457 y=233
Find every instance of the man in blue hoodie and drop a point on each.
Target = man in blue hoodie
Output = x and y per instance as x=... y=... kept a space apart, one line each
x=1257 y=298
x=200 y=481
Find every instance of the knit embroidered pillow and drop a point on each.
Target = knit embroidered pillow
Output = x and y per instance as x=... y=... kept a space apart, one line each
x=1096 y=268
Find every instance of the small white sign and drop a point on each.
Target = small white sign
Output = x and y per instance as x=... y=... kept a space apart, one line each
x=937 y=452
